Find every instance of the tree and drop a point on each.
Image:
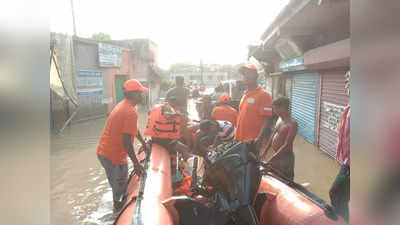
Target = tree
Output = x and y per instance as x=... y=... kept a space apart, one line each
x=101 y=36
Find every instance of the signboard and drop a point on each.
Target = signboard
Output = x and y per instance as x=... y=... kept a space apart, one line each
x=107 y=100
x=109 y=55
x=89 y=83
x=334 y=114
x=292 y=64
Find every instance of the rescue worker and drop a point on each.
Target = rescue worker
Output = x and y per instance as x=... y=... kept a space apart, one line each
x=165 y=127
x=116 y=141
x=223 y=111
x=255 y=110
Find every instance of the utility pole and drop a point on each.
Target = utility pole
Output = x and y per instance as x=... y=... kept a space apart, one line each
x=73 y=17
x=73 y=68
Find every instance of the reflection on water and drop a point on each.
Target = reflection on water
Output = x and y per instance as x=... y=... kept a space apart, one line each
x=80 y=193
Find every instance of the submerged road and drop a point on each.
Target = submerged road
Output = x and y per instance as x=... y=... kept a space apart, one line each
x=80 y=193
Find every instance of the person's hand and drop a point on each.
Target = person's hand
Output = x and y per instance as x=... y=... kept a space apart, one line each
x=138 y=169
x=211 y=148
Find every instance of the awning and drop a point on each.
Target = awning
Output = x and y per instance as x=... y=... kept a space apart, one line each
x=329 y=56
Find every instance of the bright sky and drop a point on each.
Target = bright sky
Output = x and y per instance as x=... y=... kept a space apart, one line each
x=217 y=31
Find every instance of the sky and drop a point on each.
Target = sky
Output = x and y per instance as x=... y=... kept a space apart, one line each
x=215 y=31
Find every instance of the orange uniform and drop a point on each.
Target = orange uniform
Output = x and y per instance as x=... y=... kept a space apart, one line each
x=122 y=119
x=254 y=106
x=225 y=112
x=161 y=127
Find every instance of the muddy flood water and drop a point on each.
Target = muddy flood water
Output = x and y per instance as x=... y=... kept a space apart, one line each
x=80 y=193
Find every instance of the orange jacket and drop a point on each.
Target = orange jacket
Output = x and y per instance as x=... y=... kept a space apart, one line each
x=161 y=127
x=225 y=112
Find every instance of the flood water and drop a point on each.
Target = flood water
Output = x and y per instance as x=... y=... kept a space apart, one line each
x=80 y=193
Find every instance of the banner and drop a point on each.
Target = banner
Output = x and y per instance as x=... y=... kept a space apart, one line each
x=89 y=83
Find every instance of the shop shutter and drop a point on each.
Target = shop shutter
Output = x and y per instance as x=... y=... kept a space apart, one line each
x=333 y=102
x=303 y=103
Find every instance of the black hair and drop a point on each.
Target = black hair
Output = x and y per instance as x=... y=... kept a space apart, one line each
x=206 y=124
x=283 y=102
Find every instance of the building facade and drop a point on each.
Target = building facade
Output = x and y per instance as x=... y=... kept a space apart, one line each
x=93 y=72
x=307 y=60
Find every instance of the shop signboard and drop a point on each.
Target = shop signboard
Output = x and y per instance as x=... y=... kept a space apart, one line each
x=109 y=55
x=292 y=64
x=89 y=83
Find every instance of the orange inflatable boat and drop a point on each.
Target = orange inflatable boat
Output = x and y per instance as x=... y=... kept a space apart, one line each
x=242 y=192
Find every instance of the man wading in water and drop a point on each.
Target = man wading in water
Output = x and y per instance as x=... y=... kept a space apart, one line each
x=282 y=139
x=116 y=141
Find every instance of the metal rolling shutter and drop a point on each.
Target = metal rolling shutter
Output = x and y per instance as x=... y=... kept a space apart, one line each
x=333 y=101
x=303 y=103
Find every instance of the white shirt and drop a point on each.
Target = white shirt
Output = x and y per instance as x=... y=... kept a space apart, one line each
x=226 y=130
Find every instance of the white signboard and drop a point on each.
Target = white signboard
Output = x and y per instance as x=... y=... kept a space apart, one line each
x=334 y=113
x=109 y=55
x=89 y=83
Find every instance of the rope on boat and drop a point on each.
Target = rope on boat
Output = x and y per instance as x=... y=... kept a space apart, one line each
x=137 y=216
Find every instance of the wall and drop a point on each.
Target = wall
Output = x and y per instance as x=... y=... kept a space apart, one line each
x=126 y=69
x=86 y=59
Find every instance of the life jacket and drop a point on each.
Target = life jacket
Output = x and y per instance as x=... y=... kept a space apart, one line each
x=161 y=127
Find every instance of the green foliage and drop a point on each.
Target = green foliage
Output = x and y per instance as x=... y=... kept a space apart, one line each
x=100 y=36
x=167 y=84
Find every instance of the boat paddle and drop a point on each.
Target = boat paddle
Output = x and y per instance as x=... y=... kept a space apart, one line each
x=137 y=216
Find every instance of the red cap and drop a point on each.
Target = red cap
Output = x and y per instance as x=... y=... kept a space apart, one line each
x=224 y=98
x=247 y=67
x=134 y=85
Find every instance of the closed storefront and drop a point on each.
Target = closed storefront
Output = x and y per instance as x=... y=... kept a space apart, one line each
x=332 y=103
x=304 y=99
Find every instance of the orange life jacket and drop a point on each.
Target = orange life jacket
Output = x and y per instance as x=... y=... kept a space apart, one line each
x=161 y=127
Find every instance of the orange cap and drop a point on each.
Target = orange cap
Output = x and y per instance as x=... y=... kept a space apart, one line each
x=224 y=98
x=248 y=67
x=134 y=85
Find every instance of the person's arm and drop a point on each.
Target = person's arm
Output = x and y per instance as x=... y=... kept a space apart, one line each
x=127 y=143
x=264 y=132
x=288 y=140
x=265 y=110
x=269 y=144
x=140 y=138
x=216 y=141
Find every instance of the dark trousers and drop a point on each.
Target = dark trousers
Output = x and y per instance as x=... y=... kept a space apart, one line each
x=117 y=176
x=340 y=192
x=285 y=164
